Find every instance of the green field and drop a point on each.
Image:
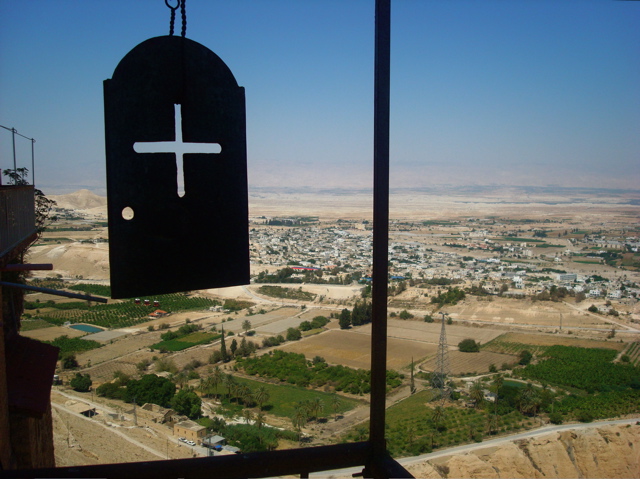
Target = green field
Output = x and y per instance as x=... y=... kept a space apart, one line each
x=31 y=324
x=185 y=342
x=72 y=345
x=505 y=347
x=284 y=398
x=118 y=314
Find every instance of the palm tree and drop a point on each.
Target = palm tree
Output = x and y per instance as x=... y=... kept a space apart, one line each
x=335 y=403
x=492 y=423
x=202 y=387
x=433 y=433
x=477 y=393
x=411 y=434
x=261 y=396
x=217 y=377
x=528 y=399
x=247 y=414
x=260 y=419
x=245 y=394
x=437 y=416
x=412 y=386
x=317 y=406
x=299 y=419
x=180 y=379
x=496 y=386
x=230 y=384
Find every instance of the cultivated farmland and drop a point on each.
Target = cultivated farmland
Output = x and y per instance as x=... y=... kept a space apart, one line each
x=353 y=349
x=513 y=343
x=430 y=332
x=463 y=363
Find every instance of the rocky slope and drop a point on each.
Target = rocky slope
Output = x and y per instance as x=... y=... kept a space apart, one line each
x=608 y=451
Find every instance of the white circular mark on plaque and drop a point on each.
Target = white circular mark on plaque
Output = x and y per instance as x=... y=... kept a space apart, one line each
x=127 y=213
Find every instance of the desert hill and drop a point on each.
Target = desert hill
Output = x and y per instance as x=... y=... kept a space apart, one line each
x=607 y=451
x=80 y=200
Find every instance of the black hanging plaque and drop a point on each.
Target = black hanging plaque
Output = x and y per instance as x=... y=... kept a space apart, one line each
x=174 y=110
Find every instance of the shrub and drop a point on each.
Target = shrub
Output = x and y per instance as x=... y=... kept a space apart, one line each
x=215 y=357
x=555 y=417
x=305 y=326
x=525 y=357
x=468 y=346
x=166 y=364
x=293 y=334
x=584 y=416
x=81 y=382
x=69 y=361
x=143 y=365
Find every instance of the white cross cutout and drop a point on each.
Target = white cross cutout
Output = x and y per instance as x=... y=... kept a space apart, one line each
x=178 y=147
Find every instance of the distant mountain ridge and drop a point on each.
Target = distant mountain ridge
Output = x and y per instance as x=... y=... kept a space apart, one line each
x=80 y=200
x=85 y=199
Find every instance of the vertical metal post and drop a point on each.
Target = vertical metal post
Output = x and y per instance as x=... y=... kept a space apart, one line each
x=13 y=138
x=33 y=166
x=380 y=226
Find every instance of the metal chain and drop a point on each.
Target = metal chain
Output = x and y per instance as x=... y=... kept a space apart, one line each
x=183 y=12
x=173 y=15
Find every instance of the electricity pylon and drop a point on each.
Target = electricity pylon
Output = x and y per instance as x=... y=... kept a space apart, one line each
x=443 y=370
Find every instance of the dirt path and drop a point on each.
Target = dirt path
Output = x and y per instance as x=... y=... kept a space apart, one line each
x=603 y=318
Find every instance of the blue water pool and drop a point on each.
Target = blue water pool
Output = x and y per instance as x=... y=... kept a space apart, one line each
x=86 y=328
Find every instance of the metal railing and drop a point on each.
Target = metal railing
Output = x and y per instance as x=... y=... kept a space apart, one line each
x=17 y=217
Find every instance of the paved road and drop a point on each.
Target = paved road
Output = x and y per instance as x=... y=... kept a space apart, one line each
x=489 y=443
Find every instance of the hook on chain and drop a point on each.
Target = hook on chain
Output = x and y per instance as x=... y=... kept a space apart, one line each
x=182 y=5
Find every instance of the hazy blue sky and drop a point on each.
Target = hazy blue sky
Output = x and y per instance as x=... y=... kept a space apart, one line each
x=483 y=92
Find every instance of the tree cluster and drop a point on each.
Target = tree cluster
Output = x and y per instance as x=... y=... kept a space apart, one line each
x=315 y=323
x=188 y=403
x=242 y=350
x=148 y=389
x=181 y=332
x=361 y=313
x=296 y=369
x=451 y=296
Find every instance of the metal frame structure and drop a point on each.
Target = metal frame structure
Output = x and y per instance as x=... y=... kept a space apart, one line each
x=371 y=454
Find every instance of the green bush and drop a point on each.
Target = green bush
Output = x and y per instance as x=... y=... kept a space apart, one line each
x=293 y=334
x=468 y=346
x=81 y=382
x=555 y=417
